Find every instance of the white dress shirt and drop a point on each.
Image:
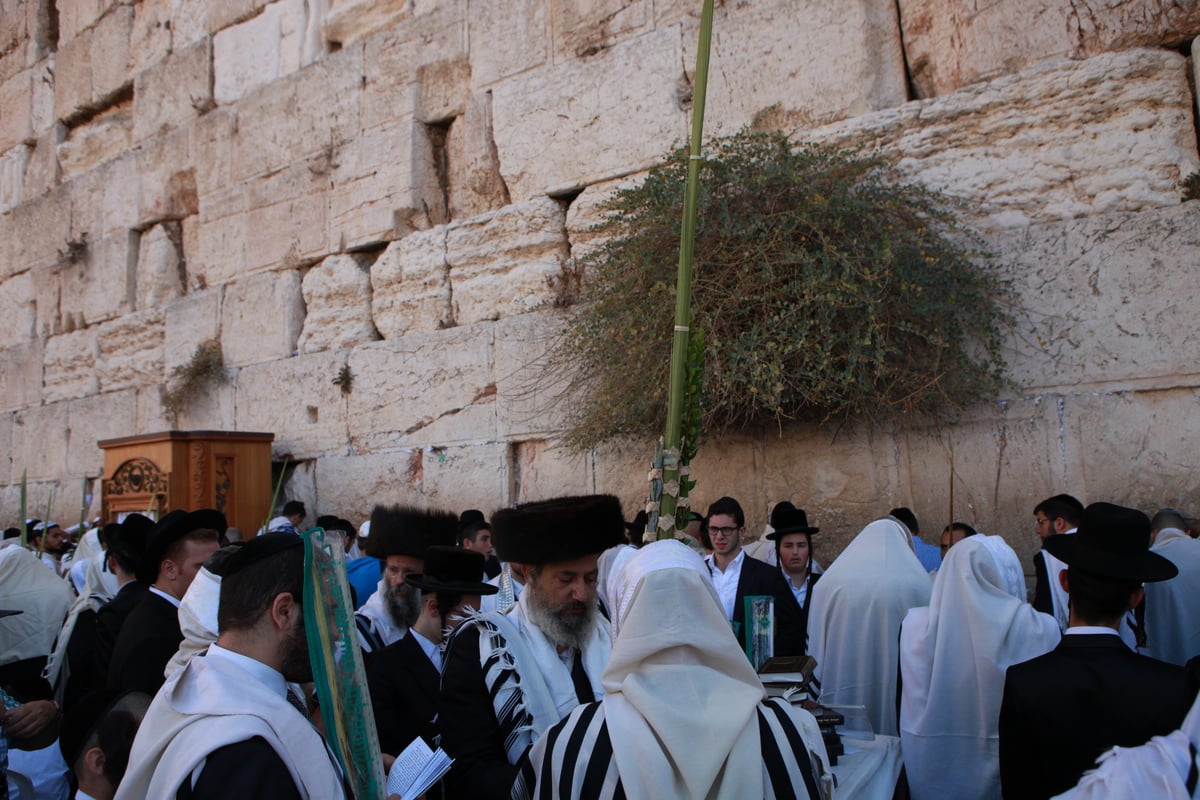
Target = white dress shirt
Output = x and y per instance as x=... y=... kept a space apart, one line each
x=726 y=582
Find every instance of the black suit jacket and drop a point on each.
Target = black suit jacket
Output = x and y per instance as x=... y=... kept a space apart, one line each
x=1062 y=710
x=1042 y=600
x=404 y=693
x=148 y=639
x=760 y=578
x=109 y=621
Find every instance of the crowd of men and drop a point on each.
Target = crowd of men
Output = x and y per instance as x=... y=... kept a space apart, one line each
x=552 y=653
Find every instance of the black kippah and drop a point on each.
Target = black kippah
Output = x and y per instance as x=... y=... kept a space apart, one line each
x=258 y=549
x=81 y=719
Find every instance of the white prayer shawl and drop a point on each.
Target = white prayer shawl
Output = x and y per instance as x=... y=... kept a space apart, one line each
x=1159 y=769
x=95 y=594
x=197 y=619
x=44 y=598
x=209 y=704
x=953 y=656
x=854 y=620
x=379 y=620
x=1059 y=599
x=1173 y=607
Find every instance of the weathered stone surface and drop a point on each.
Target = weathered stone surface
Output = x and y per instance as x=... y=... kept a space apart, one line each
x=212 y=144
x=348 y=21
x=582 y=28
x=546 y=469
x=150 y=37
x=212 y=408
x=92 y=419
x=224 y=15
x=98 y=286
x=93 y=67
x=42 y=172
x=507 y=262
x=587 y=211
x=442 y=89
x=951 y=43
x=16 y=98
x=394 y=56
x=287 y=215
x=34 y=232
x=168 y=187
x=70 y=366
x=190 y=321
x=173 y=91
x=522 y=26
x=620 y=107
x=1115 y=134
x=76 y=15
x=27 y=30
x=410 y=285
x=783 y=63
x=21 y=376
x=351 y=485
x=102 y=138
x=467 y=476
x=47 y=292
x=296 y=398
x=39 y=445
x=13 y=163
x=1109 y=300
x=149 y=414
x=246 y=56
x=261 y=317
x=158 y=278
x=43 y=93
x=18 y=310
x=621 y=467
x=337 y=299
x=473 y=166
x=528 y=404
x=424 y=388
x=220 y=254
x=320 y=104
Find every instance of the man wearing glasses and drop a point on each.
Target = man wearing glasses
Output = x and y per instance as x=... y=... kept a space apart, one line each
x=736 y=576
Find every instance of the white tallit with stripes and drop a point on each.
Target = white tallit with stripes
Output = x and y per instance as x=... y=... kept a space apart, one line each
x=683 y=704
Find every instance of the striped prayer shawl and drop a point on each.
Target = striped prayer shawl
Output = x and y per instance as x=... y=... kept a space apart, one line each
x=575 y=759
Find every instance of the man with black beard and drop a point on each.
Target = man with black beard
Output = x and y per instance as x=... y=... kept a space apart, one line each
x=223 y=726
x=508 y=678
x=399 y=538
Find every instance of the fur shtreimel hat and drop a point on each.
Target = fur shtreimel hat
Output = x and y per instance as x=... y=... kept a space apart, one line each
x=561 y=529
x=401 y=531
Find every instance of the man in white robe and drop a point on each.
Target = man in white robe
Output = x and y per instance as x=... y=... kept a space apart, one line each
x=223 y=726
x=953 y=655
x=1173 y=607
x=854 y=620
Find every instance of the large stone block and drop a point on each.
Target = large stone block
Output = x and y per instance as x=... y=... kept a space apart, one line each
x=150 y=38
x=348 y=21
x=621 y=107
x=168 y=178
x=529 y=404
x=42 y=172
x=524 y=28
x=337 y=299
x=394 y=56
x=173 y=91
x=261 y=317
x=951 y=43
x=443 y=88
x=110 y=53
x=246 y=56
x=117 y=191
x=74 y=16
x=320 y=103
x=295 y=398
x=18 y=309
x=150 y=415
x=582 y=28
x=13 y=164
x=159 y=274
x=507 y=262
x=1064 y=139
x=190 y=321
x=27 y=33
x=39 y=444
x=220 y=253
x=21 y=376
x=548 y=469
x=100 y=139
x=35 y=231
x=351 y=485
x=70 y=366
x=424 y=388
x=212 y=145
x=47 y=294
x=472 y=164
x=93 y=419
x=211 y=408
x=287 y=234
x=1104 y=301
x=99 y=285
x=784 y=63
x=467 y=476
x=16 y=98
x=131 y=351
x=224 y=15
x=587 y=211
x=410 y=285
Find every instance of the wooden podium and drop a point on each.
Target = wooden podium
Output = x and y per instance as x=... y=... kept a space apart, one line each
x=159 y=472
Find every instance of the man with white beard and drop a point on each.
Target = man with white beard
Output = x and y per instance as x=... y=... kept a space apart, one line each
x=399 y=538
x=507 y=678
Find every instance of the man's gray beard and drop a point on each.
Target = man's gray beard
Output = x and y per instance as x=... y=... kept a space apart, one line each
x=403 y=602
x=562 y=629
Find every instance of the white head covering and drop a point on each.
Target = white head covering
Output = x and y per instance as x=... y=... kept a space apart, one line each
x=610 y=580
x=197 y=619
x=1172 y=608
x=855 y=615
x=953 y=655
x=675 y=670
x=41 y=595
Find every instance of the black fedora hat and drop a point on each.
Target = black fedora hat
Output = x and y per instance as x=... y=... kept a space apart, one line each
x=170 y=529
x=786 y=518
x=1112 y=542
x=452 y=569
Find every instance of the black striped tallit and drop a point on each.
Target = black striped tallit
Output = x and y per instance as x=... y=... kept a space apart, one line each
x=370 y=640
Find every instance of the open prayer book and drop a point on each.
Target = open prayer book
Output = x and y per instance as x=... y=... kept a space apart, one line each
x=416 y=769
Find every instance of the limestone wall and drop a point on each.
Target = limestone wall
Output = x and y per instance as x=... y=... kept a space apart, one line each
x=400 y=188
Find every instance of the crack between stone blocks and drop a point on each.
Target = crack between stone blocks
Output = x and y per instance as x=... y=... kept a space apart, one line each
x=486 y=392
x=910 y=86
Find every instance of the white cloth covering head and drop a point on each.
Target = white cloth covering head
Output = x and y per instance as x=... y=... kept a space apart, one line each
x=1172 y=607
x=609 y=580
x=855 y=615
x=675 y=669
x=953 y=656
x=43 y=597
x=197 y=619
